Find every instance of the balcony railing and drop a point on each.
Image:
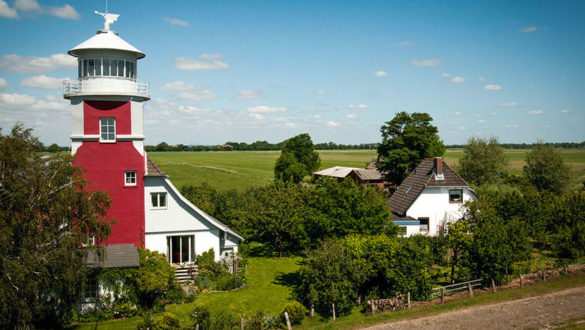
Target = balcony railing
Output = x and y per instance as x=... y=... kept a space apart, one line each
x=105 y=86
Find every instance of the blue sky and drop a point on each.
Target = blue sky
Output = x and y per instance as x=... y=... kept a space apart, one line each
x=268 y=70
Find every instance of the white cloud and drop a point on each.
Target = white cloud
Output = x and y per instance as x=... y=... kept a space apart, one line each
x=429 y=62
x=380 y=74
x=445 y=74
x=481 y=79
x=65 y=12
x=51 y=105
x=291 y=125
x=176 y=21
x=248 y=94
x=3 y=83
x=43 y=82
x=205 y=62
x=458 y=79
x=458 y=113
x=196 y=95
x=27 y=5
x=6 y=11
x=494 y=113
x=510 y=104
x=256 y=116
x=351 y=116
x=281 y=119
x=33 y=64
x=482 y=121
x=512 y=126
x=320 y=92
x=403 y=44
x=317 y=117
x=493 y=87
x=331 y=123
x=16 y=99
x=179 y=86
x=564 y=111
x=462 y=128
x=266 y=109
x=357 y=106
x=529 y=29
x=535 y=112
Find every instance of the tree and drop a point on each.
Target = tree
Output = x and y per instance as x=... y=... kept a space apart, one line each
x=406 y=140
x=546 y=169
x=483 y=161
x=46 y=212
x=297 y=159
x=53 y=148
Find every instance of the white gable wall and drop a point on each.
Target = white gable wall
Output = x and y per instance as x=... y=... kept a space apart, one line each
x=433 y=203
x=178 y=219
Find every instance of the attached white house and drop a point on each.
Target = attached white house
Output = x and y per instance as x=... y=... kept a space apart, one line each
x=176 y=227
x=430 y=197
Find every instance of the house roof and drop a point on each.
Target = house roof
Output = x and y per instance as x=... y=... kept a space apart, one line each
x=105 y=40
x=421 y=177
x=342 y=172
x=369 y=174
x=152 y=169
x=114 y=256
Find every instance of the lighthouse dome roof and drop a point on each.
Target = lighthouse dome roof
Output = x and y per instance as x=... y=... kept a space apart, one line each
x=107 y=40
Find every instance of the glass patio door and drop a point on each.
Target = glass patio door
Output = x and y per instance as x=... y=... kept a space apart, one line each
x=181 y=249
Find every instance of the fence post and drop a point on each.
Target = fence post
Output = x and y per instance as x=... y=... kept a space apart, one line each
x=543 y=276
x=242 y=324
x=312 y=310
x=197 y=326
x=333 y=306
x=470 y=289
x=288 y=321
x=565 y=267
x=442 y=295
x=493 y=285
x=521 y=282
x=408 y=299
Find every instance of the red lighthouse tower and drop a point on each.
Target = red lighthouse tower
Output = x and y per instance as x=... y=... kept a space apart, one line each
x=107 y=126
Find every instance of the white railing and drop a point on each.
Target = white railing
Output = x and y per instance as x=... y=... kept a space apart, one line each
x=105 y=86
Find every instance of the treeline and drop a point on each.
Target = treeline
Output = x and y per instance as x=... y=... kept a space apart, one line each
x=255 y=146
x=561 y=145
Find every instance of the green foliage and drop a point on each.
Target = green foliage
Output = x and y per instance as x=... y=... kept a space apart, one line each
x=546 y=169
x=215 y=275
x=296 y=312
x=341 y=270
x=298 y=158
x=146 y=323
x=46 y=210
x=168 y=321
x=406 y=140
x=569 y=232
x=200 y=315
x=483 y=161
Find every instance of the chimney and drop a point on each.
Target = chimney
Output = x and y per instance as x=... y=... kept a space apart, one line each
x=439 y=168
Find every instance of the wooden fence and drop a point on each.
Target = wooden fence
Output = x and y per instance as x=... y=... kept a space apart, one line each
x=469 y=285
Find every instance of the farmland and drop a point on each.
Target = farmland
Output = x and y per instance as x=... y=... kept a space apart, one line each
x=240 y=170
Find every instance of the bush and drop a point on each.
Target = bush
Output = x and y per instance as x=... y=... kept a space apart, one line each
x=296 y=312
x=146 y=323
x=200 y=315
x=224 y=320
x=167 y=321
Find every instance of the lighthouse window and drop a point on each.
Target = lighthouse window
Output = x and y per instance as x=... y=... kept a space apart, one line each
x=108 y=129
x=159 y=200
x=130 y=178
x=121 y=68
x=98 y=67
x=106 y=64
x=90 y=67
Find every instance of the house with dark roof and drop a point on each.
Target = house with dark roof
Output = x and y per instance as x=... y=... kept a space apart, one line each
x=430 y=197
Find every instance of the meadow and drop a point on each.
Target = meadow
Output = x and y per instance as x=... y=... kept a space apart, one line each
x=241 y=170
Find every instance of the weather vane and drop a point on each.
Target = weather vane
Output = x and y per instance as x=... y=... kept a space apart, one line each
x=110 y=18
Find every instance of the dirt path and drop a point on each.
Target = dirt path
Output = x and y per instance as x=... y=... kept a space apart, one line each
x=546 y=311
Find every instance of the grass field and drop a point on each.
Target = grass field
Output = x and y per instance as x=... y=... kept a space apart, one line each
x=240 y=170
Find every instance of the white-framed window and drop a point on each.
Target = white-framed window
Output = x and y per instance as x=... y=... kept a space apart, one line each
x=92 y=288
x=130 y=178
x=107 y=129
x=159 y=200
x=456 y=196
x=424 y=224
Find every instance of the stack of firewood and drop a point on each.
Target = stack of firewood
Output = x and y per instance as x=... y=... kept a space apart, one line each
x=395 y=304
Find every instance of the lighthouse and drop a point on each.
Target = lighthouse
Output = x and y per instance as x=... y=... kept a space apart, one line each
x=108 y=143
x=107 y=126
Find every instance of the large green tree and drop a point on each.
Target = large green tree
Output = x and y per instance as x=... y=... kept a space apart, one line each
x=546 y=169
x=406 y=140
x=297 y=159
x=46 y=213
x=483 y=161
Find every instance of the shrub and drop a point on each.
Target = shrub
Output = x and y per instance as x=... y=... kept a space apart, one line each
x=296 y=312
x=167 y=321
x=200 y=315
x=224 y=320
x=146 y=323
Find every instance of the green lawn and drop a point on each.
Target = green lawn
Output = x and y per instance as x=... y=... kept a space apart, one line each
x=268 y=289
x=225 y=170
